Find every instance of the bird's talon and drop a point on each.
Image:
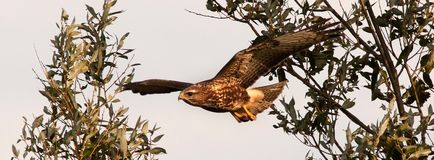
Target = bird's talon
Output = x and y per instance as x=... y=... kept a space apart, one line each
x=249 y=114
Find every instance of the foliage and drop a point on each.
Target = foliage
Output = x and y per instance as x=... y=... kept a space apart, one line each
x=84 y=119
x=388 y=52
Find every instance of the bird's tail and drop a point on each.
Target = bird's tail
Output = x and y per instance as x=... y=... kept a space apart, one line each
x=271 y=92
x=265 y=96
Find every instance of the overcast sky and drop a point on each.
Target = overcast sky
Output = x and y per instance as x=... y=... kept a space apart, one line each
x=171 y=44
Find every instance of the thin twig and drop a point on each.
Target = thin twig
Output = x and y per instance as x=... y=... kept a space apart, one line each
x=248 y=23
x=335 y=104
x=205 y=15
x=238 y=19
x=317 y=146
x=365 y=45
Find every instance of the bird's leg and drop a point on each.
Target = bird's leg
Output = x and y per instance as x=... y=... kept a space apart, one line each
x=249 y=114
x=237 y=116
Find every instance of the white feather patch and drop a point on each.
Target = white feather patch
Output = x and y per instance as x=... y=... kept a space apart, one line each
x=255 y=95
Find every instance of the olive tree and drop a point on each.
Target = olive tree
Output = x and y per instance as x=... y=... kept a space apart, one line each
x=386 y=51
x=83 y=118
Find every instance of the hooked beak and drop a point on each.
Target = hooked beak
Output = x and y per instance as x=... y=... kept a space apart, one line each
x=180 y=97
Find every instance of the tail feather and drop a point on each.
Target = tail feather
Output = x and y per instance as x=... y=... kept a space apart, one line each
x=261 y=98
x=271 y=92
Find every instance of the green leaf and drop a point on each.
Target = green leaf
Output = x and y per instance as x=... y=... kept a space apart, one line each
x=247 y=7
x=427 y=79
x=91 y=11
x=127 y=51
x=158 y=150
x=427 y=62
x=145 y=127
x=348 y=135
x=24 y=132
x=47 y=95
x=383 y=126
x=423 y=41
x=123 y=143
x=138 y=122
x=348 y=104
x=102 y=99
x=281 y=74
x=111 y=64
x=38 y=121
x=404 y=54
x=65 y=15
x=121 y=111
x=374 y=78
x=382 y=22
x=211 y=6
x=114 y=13
x=156 y=139
x=396 y=11
x=121 y=41
x=15 y=151
x=420 y=153
x=289 y=27
x=289 y=108
x=430 y=110
x=367 y=29
x=116 y=100
x=112 y=3
x=285 y=13
x=331 y=67
x=231 y=6
x=305 y=7
x=46 y=110
x=431 y=123
x=135 y=64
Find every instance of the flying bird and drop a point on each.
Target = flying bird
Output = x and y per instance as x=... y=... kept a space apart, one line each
x=229 y=90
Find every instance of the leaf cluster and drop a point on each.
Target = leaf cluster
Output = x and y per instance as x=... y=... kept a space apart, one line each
x=387 y=53
x=84 y=119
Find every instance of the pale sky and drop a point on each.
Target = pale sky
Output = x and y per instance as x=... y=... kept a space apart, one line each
x=170 y=44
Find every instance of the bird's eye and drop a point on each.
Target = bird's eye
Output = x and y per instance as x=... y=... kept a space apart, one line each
x=189 y=94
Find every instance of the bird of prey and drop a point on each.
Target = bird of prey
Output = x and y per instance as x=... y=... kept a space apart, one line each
x=229 y=90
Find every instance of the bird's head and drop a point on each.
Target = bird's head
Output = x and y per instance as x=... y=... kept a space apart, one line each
x=194 y=95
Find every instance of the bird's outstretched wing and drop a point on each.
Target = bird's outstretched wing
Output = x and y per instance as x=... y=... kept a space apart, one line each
x=155 y=86
x=248 y=65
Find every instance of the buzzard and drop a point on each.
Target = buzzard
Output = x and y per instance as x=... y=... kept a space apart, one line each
x=229 y=90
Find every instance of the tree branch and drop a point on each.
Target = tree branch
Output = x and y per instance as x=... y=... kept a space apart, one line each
x=367 y=48
x=383 y=58
x=335 y=104
x=384 y=51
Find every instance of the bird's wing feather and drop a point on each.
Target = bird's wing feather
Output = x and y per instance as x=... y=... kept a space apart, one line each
x=156 y=86
x=248 y=65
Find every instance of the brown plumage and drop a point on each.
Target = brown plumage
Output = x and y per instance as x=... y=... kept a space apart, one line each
x=229 y=90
